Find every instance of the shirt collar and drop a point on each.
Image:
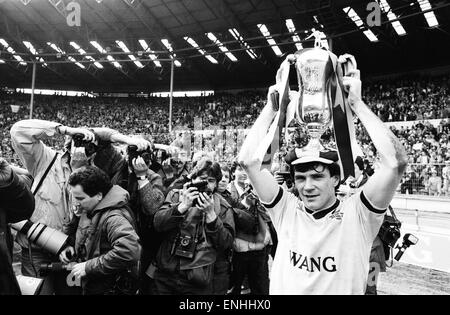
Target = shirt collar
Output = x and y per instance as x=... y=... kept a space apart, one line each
x=321 y=213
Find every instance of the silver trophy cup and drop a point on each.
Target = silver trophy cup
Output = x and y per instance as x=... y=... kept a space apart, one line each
x=314 y=68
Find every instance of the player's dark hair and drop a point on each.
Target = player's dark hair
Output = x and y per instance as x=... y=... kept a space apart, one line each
x=333 y=168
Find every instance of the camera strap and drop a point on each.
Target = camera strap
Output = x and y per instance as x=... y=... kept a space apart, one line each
x=30 y=254
x=391 y=210
x=202 y=227
x=391 y=258
x=34 y=193
x=45 y=174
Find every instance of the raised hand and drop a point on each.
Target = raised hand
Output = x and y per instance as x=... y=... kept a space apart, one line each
x=206 y=204
x=187 y=198
x=139 y=166
x=352 y=85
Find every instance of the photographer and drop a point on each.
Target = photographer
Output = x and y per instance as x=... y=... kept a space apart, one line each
x=187 y=170
x=107 y=248
x=17 y=204
x=51 y=171
x=146 y=197
x=138 y=174
x=198 y=231
x=254 y=236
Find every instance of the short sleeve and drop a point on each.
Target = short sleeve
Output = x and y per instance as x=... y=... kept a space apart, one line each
x=280 y=206
x=369 y=217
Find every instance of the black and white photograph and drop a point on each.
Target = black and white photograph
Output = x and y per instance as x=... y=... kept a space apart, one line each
x=224 y=152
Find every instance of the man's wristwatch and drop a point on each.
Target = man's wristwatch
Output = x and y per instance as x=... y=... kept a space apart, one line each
x=142 y=177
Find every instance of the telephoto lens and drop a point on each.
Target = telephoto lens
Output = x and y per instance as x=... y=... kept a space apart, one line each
x=46 y=268
x=49 y=239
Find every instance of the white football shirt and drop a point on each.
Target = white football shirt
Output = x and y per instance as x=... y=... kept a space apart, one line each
x=326 y=252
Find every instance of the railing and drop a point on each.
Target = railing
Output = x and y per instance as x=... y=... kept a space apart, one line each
x=430 y=179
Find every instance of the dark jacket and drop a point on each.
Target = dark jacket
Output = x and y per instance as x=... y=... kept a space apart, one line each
x=219 y=233
x=245 y=218
x=246 y=221
x=109 y=244
x=16 y=204
x=144 y=203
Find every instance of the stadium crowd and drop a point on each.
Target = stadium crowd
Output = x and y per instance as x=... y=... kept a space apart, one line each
x=428 y=147
x=144 y=223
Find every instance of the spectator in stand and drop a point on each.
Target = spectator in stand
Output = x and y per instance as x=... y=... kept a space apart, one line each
x=424 y=158
x=434 y=184
x=396 y=100
x=446 y=178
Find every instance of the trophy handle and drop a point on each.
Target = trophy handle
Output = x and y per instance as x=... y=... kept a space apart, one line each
x=348 y=63
x=274 y=96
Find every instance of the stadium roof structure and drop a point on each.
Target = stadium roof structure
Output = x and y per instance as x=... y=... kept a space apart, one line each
x=128 y=45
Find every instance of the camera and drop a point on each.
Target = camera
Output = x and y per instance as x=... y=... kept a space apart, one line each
x=249 y=197
x=186 y=246
x=286 y=175
x=78 y=140
x=162 y=155
x=49 y=239
x=71 y=280
x=252 y=201
x=390 y=231
x=186 y=241
x=46 y=268
x=89 y=147
x=132 y=152
x=202 y=186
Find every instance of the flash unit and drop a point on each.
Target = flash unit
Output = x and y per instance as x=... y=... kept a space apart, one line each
x=408 y=240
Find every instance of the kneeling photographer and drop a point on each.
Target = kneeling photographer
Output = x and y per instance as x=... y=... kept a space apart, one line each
x=198 y=229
